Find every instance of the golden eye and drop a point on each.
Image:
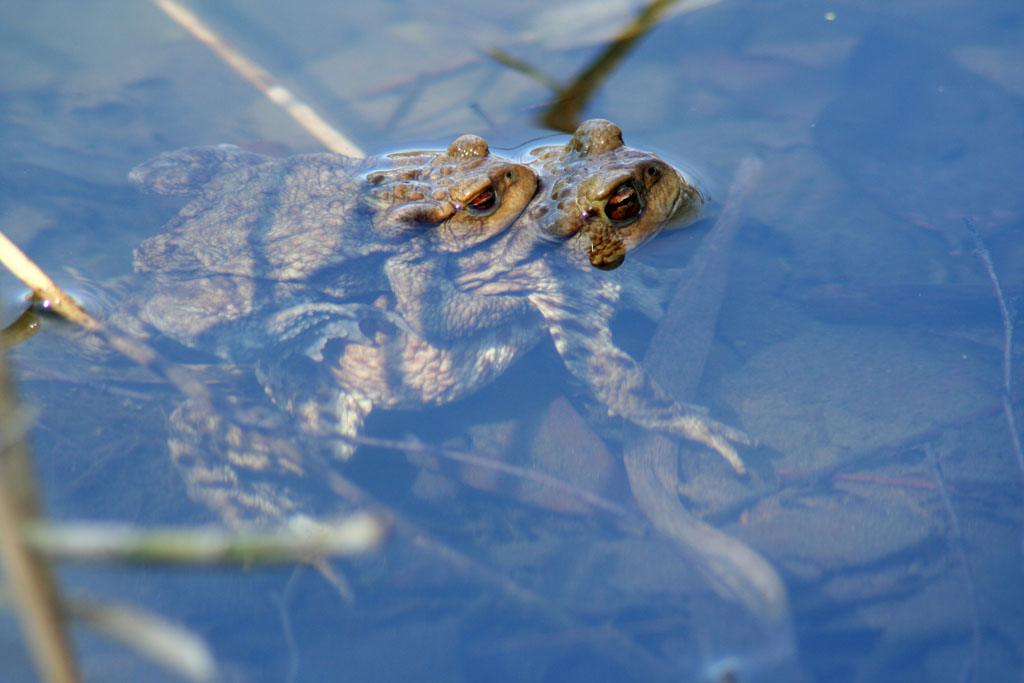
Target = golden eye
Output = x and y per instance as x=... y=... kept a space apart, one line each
x=624 y=204
x=483 y=202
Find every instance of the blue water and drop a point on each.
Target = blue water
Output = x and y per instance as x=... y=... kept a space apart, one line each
x=859 y=341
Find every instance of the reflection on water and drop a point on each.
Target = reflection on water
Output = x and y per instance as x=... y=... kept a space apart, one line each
x=855 y=342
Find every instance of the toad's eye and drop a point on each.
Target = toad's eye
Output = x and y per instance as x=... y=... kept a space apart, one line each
x=624 y=204
x=483 y=202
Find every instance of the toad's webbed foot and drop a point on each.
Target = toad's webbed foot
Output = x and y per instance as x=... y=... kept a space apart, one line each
x=714 y=435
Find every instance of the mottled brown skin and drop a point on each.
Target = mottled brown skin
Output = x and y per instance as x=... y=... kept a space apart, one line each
x=275 y=259
x=262 y=232
x=607 y=198
x=457 y=303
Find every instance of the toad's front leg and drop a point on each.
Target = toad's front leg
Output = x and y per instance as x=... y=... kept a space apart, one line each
x=583 y=339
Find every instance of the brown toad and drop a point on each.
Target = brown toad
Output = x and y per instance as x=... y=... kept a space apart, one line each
x=600 y=199
x=280 y=253
x=262 y=232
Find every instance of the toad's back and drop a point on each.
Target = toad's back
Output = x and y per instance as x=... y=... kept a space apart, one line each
x=259 y=230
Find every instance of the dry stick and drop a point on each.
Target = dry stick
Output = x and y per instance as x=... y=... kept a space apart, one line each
x=564 y=113
x=27 y=575
x=54 y=299
x=259 y=78
x=162 y=641
x=125 y=543
x=43 y=288
x=168 y=644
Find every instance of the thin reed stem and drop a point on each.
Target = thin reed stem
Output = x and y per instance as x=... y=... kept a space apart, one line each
x=961 y=550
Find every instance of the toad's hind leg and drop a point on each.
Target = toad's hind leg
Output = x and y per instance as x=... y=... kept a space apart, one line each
x=316 y=372
x=236 y=463
x=340 y=425
x=236 y=466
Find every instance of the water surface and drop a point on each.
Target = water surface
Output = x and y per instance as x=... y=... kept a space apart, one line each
x=859 y=339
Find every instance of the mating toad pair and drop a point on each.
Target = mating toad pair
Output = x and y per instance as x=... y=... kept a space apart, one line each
x=407 y=280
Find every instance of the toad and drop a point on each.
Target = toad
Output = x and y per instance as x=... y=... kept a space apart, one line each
x=260 y=233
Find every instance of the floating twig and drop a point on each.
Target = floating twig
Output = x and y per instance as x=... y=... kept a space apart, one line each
x=47 y=294
x=261 y=79
x=44 y=290
x=102 y=542
x=167 y=644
